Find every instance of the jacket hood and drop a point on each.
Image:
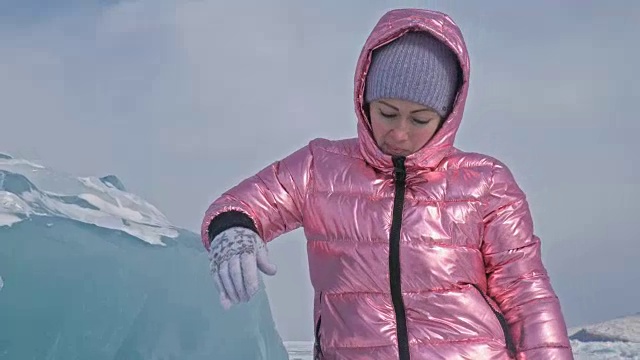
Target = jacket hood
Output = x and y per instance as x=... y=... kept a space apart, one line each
x=392 y=25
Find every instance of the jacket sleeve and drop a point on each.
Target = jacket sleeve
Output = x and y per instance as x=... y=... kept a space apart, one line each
x=269 y=202
x=516 y=277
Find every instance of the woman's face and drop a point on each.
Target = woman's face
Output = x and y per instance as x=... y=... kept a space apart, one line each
x=402 y=127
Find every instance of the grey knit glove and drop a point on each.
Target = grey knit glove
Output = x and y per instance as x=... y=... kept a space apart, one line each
x=235 y=256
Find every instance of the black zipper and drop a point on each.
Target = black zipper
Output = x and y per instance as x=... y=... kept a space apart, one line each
x=318 y=347
x=400 y=174
x=503 y=323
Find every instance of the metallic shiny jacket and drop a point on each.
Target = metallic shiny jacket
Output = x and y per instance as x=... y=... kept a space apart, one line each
x=432 y=256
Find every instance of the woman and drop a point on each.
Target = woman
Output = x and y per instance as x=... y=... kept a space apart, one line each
x=416 y=249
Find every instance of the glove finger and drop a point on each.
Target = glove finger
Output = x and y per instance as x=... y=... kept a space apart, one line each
x=236 y=277
x=224 y=298
x=264 y=263
x=228 y=283
x=250 y=273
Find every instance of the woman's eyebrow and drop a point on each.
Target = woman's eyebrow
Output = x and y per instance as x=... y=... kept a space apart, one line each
x=389 y=105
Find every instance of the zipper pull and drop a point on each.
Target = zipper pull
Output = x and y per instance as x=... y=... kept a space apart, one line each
x=399 y=170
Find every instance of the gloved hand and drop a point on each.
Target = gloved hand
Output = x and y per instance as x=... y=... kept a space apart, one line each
x=235 y=256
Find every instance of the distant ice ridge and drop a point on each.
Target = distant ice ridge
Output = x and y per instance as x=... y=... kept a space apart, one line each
x=613 y=339
x=605 y=350
x=625 y=329
x=28 y=189
x=299 y=350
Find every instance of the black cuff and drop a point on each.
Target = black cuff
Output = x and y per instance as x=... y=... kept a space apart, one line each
x=229 y=219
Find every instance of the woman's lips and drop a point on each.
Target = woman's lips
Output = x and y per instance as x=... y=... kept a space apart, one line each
x=395 y=150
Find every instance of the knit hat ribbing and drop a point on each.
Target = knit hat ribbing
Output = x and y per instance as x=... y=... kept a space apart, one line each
x=415 y=67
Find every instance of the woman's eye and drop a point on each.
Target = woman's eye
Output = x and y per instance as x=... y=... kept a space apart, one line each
x=387 y=115
x=421 y=122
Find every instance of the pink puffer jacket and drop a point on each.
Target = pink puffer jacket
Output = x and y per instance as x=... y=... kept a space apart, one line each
x=429 y=257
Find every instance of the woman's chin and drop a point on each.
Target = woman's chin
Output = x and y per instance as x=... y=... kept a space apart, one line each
x=395 y=151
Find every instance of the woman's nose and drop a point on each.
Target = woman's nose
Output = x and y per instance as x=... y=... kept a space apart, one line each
x=400 y=132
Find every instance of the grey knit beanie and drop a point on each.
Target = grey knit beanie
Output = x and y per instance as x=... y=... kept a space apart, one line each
x=416 y=67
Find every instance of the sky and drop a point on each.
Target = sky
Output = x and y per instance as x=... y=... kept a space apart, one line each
x=183 y=99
